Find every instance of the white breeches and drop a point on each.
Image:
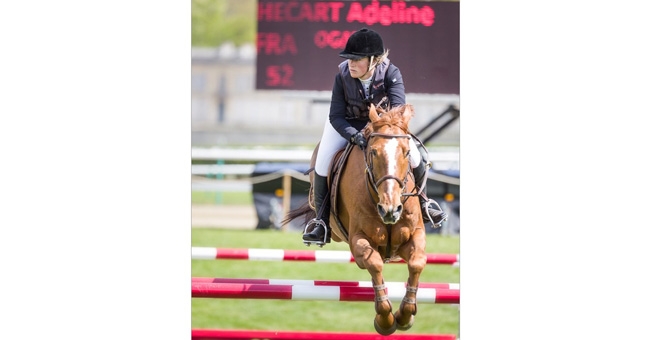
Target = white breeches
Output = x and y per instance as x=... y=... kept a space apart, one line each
x=332 y=141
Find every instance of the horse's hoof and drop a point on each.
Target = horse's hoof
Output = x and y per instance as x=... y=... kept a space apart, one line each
x=406 y=327
x=383 y=331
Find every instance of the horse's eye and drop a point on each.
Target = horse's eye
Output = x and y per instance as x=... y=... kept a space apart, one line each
x=373 y=152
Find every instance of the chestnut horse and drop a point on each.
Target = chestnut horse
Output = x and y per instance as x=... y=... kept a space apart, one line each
x=378 y=206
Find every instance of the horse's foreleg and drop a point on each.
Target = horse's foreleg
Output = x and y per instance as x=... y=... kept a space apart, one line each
x=416 y=259
x=366 y=257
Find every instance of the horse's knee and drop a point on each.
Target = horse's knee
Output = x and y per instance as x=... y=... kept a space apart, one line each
x=367 y=257
x=360 y=264
x=417 y=263
x=369 y=263
x=374 y=267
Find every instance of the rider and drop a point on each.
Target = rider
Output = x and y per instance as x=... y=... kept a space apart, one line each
x=366 y=77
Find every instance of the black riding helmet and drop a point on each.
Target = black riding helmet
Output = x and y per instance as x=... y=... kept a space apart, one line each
x=363 y=43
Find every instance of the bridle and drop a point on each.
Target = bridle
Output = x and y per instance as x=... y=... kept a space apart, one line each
x=371 y=181
x=374 y=184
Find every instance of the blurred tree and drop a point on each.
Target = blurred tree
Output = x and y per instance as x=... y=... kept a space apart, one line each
x=218 y=21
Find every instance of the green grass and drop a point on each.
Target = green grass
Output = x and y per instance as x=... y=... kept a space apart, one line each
x=309 y=315
x=226 y=198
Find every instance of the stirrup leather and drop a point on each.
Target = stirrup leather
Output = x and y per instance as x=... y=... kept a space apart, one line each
x=314 y=222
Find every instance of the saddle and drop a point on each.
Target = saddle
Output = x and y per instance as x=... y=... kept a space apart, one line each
x=337 y=169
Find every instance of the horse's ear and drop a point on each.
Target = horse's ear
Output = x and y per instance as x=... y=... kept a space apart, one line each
x=408 y=112
x=373 y=115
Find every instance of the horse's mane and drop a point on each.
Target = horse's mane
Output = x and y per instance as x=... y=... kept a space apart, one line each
x=393 y=117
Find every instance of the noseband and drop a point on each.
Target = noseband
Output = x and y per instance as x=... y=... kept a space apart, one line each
x=369 y=170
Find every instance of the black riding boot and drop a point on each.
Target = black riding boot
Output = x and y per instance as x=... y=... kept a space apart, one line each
x=436 y=215
x=319 y=235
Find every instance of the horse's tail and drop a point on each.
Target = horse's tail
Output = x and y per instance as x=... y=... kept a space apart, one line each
x=303 y=210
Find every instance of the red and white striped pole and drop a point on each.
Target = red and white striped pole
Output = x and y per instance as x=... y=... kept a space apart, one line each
x=315 y=293
x=240 y=334
x=290 y=282
x=335 y=256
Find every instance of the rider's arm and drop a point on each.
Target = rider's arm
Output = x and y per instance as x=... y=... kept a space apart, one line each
x=396 y=91
x=337 y=114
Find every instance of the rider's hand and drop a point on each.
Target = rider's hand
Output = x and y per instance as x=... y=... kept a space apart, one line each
x=359 y=140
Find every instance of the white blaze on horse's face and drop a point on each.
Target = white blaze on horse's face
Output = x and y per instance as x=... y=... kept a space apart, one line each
x=389 y=179
x=391 y=155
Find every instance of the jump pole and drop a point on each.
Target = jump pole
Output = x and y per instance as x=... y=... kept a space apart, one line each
x=290 y=282
x=335 y=256
x=315 y=293
x=239 y=334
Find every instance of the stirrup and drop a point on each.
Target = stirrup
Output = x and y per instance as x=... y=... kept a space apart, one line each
x=316 y=221
x=427 y=204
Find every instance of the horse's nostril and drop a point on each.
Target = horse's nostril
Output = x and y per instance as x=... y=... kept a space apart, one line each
x=396 y=214
x=381 y=210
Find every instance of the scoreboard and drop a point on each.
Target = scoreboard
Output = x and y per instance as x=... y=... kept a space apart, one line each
x=298 y=42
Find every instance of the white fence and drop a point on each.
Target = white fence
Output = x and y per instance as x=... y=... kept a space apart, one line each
x=442 y=160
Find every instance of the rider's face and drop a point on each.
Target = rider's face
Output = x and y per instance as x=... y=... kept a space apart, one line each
x=359 y=67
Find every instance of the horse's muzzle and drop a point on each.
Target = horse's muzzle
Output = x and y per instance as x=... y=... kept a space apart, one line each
x=390 y=214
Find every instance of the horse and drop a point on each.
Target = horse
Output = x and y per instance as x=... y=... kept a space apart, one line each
x=377 y=211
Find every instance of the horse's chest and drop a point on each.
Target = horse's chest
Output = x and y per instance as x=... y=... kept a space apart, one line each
x=389 y=254
x=389 y=242
x=393 y=237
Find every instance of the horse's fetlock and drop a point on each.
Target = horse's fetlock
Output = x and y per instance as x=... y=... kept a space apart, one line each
x=409 y=308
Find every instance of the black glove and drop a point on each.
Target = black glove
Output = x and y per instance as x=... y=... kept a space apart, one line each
x=359 y=140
